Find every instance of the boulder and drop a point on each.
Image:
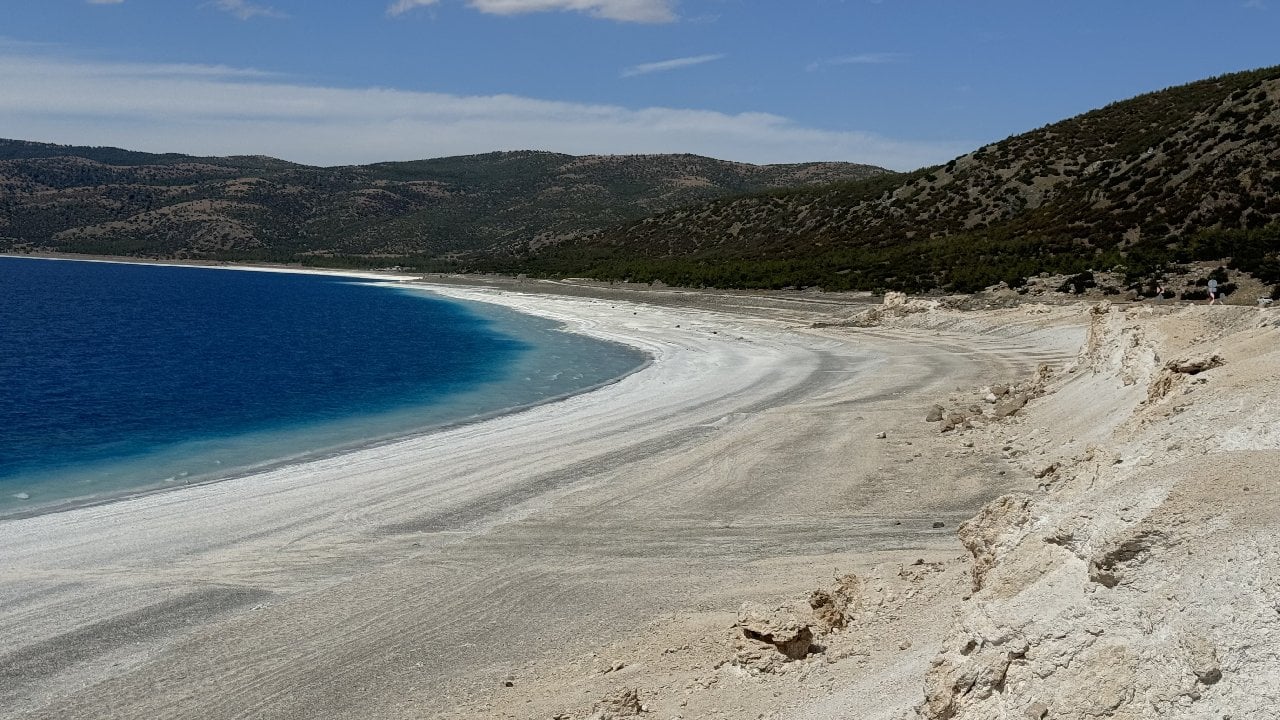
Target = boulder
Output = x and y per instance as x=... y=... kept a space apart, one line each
x=781 y=628
x=1195 y=366
x=895 y=299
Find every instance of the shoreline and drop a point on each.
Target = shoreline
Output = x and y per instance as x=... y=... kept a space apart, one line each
x=411 y=283
x=304 y=458
x=741 y=463
x=212 y=265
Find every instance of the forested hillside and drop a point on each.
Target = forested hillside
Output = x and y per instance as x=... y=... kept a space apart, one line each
x=1191 y=172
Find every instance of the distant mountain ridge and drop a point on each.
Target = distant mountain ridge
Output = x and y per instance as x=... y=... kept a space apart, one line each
x=119 y=202
x=1191 y=172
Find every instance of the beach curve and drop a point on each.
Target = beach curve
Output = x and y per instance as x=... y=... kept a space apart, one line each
x=373 y=583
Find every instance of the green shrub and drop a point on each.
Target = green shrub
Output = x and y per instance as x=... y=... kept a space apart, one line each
x=1078 y=283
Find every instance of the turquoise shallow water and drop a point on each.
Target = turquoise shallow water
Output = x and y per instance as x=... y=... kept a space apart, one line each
x=122 y=378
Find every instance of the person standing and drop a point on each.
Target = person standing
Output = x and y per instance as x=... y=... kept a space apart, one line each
x=1213 y=291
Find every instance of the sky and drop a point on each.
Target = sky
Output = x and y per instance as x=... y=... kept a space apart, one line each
x=897 y=83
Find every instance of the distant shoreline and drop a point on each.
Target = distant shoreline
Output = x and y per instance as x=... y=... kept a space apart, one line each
x=216 y=265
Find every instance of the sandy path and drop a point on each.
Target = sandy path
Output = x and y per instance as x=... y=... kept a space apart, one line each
x=400 y=580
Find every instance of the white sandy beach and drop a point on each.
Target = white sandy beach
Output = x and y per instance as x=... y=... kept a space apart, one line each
x=441 y=574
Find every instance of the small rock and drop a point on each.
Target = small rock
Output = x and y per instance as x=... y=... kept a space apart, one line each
x=1011 y=405
x=939 y=524
x=1204 y=662
x=955 y=420
x=1037 y=711
x=624 y=703
x=881 y=435
x=935 y=414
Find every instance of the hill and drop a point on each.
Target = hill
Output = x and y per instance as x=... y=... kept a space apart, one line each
x=1187 y=173
x=118 y=202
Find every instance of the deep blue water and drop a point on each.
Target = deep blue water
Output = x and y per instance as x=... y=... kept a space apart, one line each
x=119 y=377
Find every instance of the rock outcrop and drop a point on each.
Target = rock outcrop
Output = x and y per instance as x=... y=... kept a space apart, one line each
x=993 y=531
x=622 y=704
x=1138 y=582
x=781 y=629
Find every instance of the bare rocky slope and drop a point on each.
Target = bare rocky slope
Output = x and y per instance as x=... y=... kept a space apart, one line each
x=1137 y=580
x=1135 y=574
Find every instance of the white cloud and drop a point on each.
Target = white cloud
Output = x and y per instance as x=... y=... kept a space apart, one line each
x=641 y=11
x=401 y=7
x=13 y=45
x=105 y=2
x=665 y=65
x=126 y=71
x=224 y=111
x=246 y=10
x=862 y=59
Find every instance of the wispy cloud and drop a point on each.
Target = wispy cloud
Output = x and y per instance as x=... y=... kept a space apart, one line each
x=665 y=65
x=1255 y=4
x=104 y=2
x=860 y=59
x=401 y=7
x=638 y=11
x=175 y=71
x=246 y=10
x=227 y=111
x=10 y=45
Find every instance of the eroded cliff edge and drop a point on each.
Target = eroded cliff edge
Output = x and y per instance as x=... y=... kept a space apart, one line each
x=1125 y=567
x=1138 y=580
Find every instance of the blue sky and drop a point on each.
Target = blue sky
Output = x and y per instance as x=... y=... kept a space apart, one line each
x=898 y=83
